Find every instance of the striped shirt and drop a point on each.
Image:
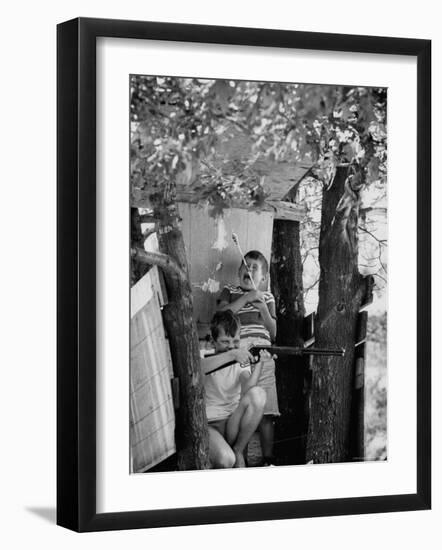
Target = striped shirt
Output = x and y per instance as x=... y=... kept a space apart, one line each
x=252 y=324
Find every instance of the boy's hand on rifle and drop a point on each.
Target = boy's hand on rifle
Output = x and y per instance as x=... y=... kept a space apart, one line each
x=264 y=355
x=242 y=356
x=266 y=366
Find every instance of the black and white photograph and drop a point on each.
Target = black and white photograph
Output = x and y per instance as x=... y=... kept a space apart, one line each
x=258 y=272
x=220 y=247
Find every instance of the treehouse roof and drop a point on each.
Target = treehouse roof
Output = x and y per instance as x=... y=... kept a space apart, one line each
x=233 y=148
x=281 y=180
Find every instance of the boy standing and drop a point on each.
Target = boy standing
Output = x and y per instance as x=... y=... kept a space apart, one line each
x=256 y=310
x=234 y=404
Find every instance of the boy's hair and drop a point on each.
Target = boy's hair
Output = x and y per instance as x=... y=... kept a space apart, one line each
x=226 y=320
x=257 y=256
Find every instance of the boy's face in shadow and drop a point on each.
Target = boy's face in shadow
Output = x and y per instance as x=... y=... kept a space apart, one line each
x=256 y=271
x=225 y=342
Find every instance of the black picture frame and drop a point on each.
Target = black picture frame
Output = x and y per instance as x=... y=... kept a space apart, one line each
x=76 y=274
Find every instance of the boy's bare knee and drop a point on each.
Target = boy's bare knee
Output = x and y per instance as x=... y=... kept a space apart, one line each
x=225 y=459
x=258 y=396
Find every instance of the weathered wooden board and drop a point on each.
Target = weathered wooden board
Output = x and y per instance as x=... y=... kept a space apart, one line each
x=202 y=263
x=213 y=258
x=152 y=417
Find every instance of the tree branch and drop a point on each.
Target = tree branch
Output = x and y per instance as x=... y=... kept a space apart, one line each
x=374 y=209
x=164 y=261
x=238 y=124
x=380 y=241
x=311 y=286
x=380 y=260
x=380 y=276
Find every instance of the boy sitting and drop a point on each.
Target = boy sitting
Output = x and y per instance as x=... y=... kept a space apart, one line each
x=234 y=404
x=256 y=310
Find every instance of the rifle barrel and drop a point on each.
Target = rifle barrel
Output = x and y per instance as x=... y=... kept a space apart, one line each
x=324 y=351
x=289 y=350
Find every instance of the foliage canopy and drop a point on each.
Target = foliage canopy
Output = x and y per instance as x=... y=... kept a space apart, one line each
x=177 y=123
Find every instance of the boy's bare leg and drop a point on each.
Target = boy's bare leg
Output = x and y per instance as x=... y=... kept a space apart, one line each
x=244 y=421
x=266 y=435
x=220 y=452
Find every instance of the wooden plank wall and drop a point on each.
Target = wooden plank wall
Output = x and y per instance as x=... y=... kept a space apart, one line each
x=213 y=259
x=152 y=417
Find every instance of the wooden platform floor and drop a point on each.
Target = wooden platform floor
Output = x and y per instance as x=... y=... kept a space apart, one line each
x=254 y=455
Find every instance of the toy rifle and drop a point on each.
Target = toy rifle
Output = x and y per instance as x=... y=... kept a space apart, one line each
x=283 y=350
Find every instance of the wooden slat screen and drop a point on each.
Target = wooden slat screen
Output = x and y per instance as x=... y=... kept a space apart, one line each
x=152 y=418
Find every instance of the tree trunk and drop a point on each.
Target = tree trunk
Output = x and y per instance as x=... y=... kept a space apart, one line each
x=341 y=290
x=138 y=269
x=191 y=432
x=286 y=279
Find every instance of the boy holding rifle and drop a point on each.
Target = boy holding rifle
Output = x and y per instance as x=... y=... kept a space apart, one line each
x=234 y=403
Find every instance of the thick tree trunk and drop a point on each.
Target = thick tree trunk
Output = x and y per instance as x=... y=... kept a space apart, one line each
x=191 y=432
x=341 y=290
x=286 y=279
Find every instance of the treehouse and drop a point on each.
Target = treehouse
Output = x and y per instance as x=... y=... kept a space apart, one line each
x=212 y=256
x=213 y=261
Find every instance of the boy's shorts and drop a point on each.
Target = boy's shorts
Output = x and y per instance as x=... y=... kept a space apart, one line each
x=267 y=380
x=219 y=425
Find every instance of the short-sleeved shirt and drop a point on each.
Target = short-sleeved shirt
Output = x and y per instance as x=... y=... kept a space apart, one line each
x=223 y=391
x=252 y=323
